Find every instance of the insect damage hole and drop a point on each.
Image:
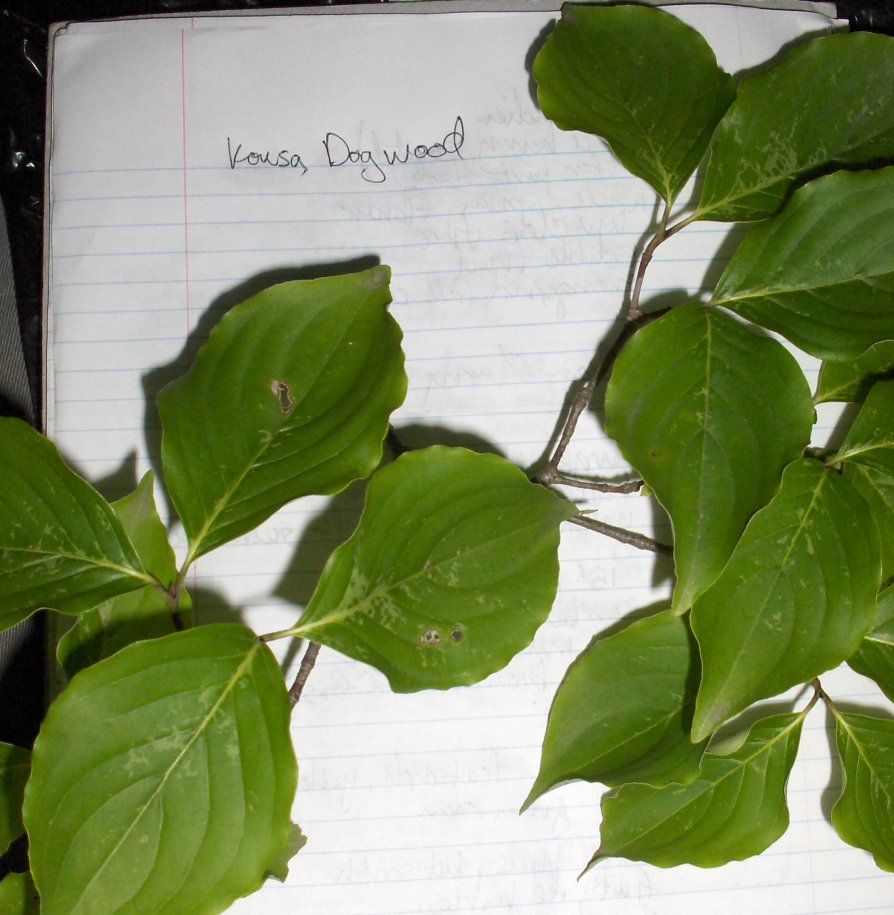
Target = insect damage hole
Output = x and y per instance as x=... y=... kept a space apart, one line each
x=283 y=394
x=430 y=637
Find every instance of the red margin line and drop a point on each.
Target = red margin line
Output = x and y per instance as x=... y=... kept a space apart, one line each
x=185 y=180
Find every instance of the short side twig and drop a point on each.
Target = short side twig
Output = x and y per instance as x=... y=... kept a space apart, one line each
x=631 y=538
x=307 y=665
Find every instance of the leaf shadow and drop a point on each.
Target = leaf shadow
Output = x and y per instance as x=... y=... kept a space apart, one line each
x=157 y=378
x=536 y=46
x=721 y=258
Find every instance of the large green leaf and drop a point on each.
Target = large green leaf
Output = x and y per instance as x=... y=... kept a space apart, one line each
x=18 y=895
x=864 y=814
x=736 y=808
x=622 y=712
x=870 y=439
x=61 y=545
x=449 y=574
x=850 y=381
x=795 y=599
x=821 y=272
x=709 y=413
x=142 y=614
x=875 y=656
x=290 y=396
x=163 y=778
x=829 y=101
x=641 y=79
x=15 y=764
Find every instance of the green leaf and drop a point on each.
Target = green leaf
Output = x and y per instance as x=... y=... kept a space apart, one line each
x=450 y=572
x=864 y=814
x=875 y=656
x=622 y=712
x=850 y=381
x=870 y=439
x=821 y=273
x=290 y=396
x=163 y=778
x=18 y=895
x=142 y=614
x=639 y=78
x=877 y=489
x=736 y=808
x=795 y=599
x=827 y=102
x=278 y=867
x=709 y=413
x=15 y=764
x=139 y=517
x=120 y=621
x=61 y=545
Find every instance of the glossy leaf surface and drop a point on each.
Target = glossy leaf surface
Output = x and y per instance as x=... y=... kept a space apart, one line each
x=736 y=808
x=61 y=545
x=163 y=778
x=821 y=273
x=15 y=765
x=864 y=814
x=709 y=413
x=142 y=614
x=875 y=656
x=850 y=381
x=877 y=489
x=604 y=71
x=289 y=396
x=622 y=712
x=18 y=895
x=828 y=101
x=450 y=572
x=870 y=439
x=795 y=599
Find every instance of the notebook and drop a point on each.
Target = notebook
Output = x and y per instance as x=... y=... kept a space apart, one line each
x=194 y=160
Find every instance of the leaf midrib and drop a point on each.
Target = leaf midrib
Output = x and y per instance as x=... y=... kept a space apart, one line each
x=338 y=615
x=87 y=560
x=792 y=289
x=265 y=445
x=841 y=719
x=778 y=573
x=200 y=730
x=713 y=786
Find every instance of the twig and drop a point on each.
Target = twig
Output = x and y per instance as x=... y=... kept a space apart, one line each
x=549 y=477
x=631 y=538
x=661 y=235
x=307 y=665
x=585 y=394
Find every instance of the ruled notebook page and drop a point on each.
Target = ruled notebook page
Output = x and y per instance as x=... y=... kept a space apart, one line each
x=510 y=255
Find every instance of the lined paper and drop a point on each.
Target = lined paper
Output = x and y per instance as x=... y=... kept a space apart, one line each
x=510 y=245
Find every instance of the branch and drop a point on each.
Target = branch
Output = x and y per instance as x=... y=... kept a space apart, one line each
x=549 y=476
x=585 y=394
x=631 y=538
x=661 y=235
x=307 y=665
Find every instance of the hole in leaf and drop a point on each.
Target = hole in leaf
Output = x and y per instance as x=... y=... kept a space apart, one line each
x=283 y=393
x=430 y=637
x=457 y=635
